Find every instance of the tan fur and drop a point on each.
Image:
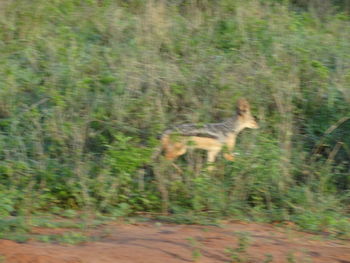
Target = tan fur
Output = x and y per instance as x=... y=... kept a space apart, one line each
x=175 y=144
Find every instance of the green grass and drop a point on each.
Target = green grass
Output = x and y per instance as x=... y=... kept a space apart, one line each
x=19 y=229
x=16 y=229
x=71 y=238
x=87 y=86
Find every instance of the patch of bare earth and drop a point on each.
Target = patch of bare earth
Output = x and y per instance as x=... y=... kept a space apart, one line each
x=168 y=243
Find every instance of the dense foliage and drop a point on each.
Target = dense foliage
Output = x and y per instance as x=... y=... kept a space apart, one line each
x=87 y=86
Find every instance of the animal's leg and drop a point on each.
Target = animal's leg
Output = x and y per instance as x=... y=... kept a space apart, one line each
x=212 y=156
x=230 y=144
x=175 y=150
x=229 y=156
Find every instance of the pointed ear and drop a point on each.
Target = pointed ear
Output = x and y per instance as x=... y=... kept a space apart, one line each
x=242 y=107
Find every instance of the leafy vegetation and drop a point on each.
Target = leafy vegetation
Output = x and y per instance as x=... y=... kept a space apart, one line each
x=87 y=86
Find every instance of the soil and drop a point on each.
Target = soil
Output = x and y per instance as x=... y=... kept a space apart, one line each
x=169 y=243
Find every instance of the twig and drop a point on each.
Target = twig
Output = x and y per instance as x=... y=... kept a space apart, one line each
x=328 y=131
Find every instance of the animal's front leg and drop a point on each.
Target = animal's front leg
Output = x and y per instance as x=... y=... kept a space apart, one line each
x=212 y=156
x=230 y=145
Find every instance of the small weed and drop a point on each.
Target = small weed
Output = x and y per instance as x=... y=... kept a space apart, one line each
x=158 y=224
x=44 y=238
x=268 y=258
x=306 y=256
x=291 y=258
x=196 y=250
x=69 y=213
x=243 y=241
x=189 y=219
x=196 y=254
x=239 y=254
x=106 y=232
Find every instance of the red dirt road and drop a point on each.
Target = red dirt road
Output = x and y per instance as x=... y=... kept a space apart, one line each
x=168 y=243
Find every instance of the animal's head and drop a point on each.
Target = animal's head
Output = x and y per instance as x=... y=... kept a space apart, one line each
x=244 y=115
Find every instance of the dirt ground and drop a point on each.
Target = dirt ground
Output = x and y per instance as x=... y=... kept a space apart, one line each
x=169 y=243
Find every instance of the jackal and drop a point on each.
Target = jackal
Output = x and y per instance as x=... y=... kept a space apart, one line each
x=212 y=137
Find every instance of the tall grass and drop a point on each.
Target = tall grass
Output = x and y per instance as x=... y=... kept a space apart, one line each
x=86 y=87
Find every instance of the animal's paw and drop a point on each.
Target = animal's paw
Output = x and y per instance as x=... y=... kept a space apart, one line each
x=229 y=157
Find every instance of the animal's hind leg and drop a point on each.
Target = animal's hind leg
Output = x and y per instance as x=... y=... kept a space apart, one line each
x=175 y=150
x=229 y=157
